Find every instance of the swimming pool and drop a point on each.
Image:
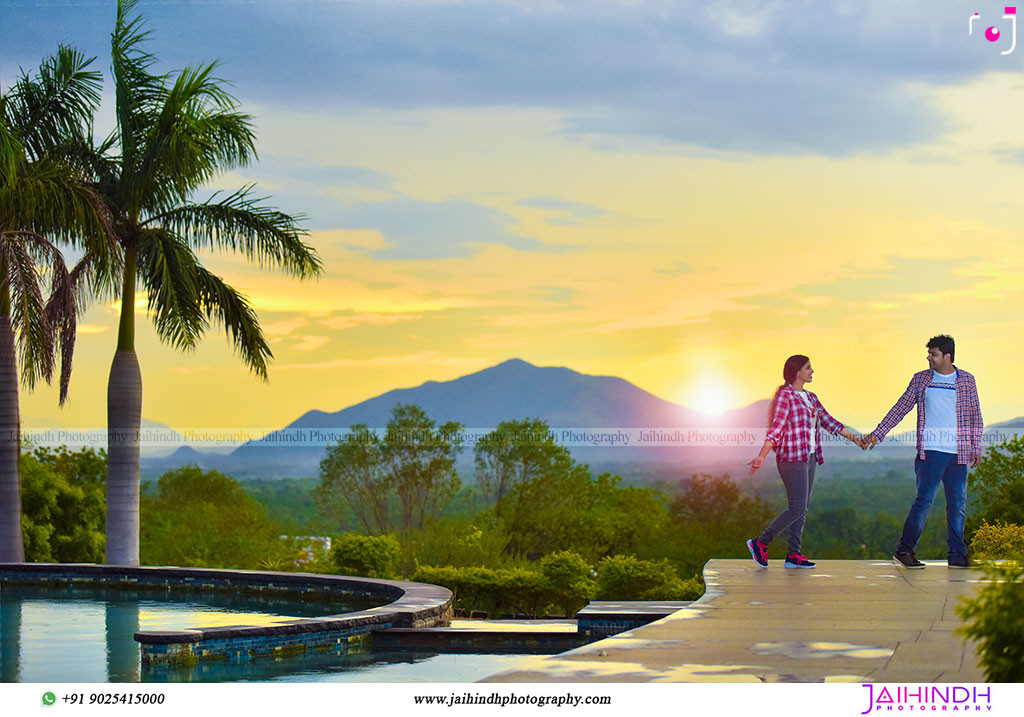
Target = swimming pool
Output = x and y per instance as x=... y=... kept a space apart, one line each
x=77 y=634
x=398 y=604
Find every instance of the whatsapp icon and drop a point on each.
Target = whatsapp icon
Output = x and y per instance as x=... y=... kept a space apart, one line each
x=49 y=698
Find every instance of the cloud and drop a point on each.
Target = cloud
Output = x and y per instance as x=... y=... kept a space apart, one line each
x=906 y=277
x=572 y=214
x=555 y=294
x=420 y=358
x=340 y=321
x=283 y=327
x=769 y=78
x=1014 y=155
x=309 y=343
x=324 y=175
x=438 y=230
x=678 y=267
x=319 y=193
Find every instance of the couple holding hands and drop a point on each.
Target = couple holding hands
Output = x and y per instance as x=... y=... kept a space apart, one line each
x=949 y=428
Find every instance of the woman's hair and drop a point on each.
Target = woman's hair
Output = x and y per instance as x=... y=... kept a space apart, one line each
x=789 y=371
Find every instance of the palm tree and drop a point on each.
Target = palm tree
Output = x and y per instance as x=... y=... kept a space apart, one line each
x=174 y=133
x=41 y=195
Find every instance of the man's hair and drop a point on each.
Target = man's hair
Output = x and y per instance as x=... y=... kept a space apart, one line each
x=943 y=343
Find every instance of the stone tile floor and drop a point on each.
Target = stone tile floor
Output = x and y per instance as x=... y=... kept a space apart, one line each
x=846 y=620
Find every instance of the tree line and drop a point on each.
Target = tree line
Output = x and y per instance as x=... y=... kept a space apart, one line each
x=536 y=531
x=128 y=203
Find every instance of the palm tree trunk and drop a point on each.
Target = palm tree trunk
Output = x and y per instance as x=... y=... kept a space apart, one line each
x=12 y=549
x=124 y=420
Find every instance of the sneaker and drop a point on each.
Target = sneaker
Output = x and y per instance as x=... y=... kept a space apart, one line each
x=907 y=560
x=796 y=560
x=960 y=562
x=758 y=551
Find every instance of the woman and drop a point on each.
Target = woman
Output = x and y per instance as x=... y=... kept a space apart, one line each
x=794 y=418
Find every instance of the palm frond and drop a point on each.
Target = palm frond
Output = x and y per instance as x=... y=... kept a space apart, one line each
x=61 y=315
x=56 y=104
x=137 y=91
x=198 y=132
x=60 y=308
x=225 y=305
x=47 y=197
x=96 y=277
x=12 y=151
x=28 y=313
x=239 y=223
x=167 y=268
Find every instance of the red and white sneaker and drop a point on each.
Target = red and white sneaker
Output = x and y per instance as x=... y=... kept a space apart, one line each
x=758 y=551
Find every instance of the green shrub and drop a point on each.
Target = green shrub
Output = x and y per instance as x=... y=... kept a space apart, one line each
x=495 y=592
x=995 y=619
x=563 y=582
x=63 y=503
x=457 y=542
x=569 y=580
x=999 y=541
x=624 y=577
x=368 y=556
x=998 y=483
x=199 y=518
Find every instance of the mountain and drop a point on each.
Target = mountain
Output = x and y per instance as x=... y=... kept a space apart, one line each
x=513 y=389
x=158 y=439
x=567 y=400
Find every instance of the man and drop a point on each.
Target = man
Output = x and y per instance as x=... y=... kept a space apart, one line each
x=949 y=429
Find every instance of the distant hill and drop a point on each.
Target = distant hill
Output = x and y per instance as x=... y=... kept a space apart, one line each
x=516 y=389
x=513 y=389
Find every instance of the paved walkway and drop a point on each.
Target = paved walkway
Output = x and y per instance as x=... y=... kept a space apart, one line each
x=846 y=620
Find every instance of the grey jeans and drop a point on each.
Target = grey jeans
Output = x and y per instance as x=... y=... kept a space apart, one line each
x=798 y=477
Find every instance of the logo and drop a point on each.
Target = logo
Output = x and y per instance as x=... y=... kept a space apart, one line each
x=992 y=34
x=929 y=698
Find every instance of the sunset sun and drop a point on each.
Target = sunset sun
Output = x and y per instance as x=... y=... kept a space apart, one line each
x=710 y=396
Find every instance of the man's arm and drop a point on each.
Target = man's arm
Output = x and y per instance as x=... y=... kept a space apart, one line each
x=895 y=414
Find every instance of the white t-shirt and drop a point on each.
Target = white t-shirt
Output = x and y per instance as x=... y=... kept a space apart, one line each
x=807 y=402
x=940 y=413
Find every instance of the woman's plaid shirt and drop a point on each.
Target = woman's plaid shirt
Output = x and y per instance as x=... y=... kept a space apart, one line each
x=969 y=424
x=791 y=423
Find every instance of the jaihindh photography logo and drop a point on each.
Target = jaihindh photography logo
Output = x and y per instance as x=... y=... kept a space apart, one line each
x=928 y=698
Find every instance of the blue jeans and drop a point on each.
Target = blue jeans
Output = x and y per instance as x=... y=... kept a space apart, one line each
x=798 y=477
x=938 y=467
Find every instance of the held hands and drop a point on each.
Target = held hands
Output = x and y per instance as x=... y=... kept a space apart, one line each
x=868 y=442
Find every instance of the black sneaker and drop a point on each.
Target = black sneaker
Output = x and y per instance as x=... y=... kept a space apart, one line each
x=960 y=562
x=758 y=551
x=907 y=560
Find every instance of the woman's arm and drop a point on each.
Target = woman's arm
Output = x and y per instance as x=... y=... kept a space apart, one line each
x=774 y=435
x=851 y=436
x=759 y=459
x=834 y=427
x=779 y=418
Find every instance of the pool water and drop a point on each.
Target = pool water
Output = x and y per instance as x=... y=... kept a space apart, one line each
x=87 y=635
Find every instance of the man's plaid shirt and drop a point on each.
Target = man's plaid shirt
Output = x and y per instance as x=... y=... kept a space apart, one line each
x=968 y=414
x=791 y=425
